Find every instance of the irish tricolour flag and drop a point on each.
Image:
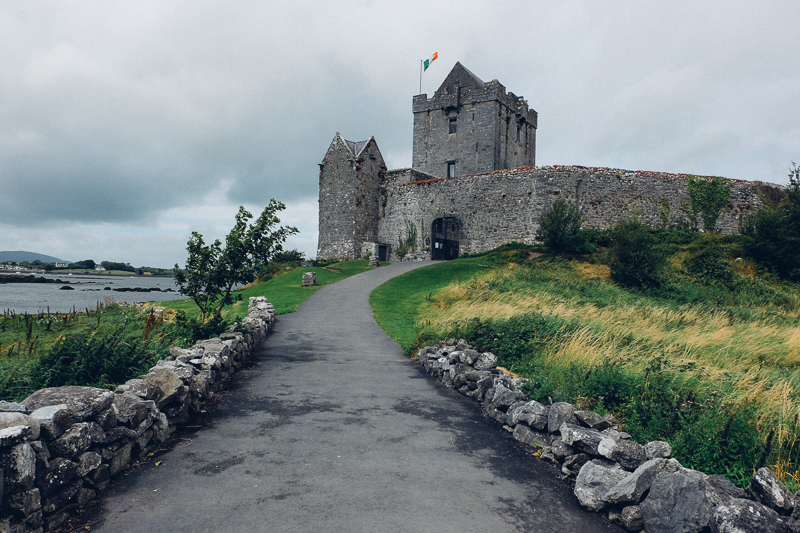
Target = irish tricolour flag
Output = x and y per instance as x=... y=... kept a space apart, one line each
x=430 y=60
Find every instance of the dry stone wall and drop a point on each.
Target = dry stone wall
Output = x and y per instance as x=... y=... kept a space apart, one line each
x=640 y=486
x=60 y=446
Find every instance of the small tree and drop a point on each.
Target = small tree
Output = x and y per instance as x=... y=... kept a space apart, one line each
x=560 y=229
x=634 y=259
x=773 y=233
x=212 y=272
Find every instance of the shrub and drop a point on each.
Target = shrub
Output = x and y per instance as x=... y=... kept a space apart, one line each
x=560 y=229
x=711 y=266
x=634 y=259
x=773 y=233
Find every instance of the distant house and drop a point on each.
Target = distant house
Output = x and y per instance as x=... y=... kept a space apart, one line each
x=62 y=265
x=98 y=268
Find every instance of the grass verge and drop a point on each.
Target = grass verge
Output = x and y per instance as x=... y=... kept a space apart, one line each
x=713 y=368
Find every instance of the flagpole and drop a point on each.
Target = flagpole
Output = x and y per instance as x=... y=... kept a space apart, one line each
x=420 y=76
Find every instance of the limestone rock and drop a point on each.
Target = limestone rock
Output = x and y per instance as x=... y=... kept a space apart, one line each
x=310 y=279
x=81 y=402
x=485 y=361
x=19 y=467
x=61 y=472
x=53 y=420
x=769 y=490
x=677 y=503
x=130 y=409
x=573 y=463
x=13 y=435
x=594 y=480
x=12 y=407
x=504 y=398
x=17 y=418
x=57 y=500
x=468 y=357
x=87 y=462
x=560 y=449
x=558 y=414
x=630 y=455
x=631 y=488
x=526 y=435
x=631 y=518
x=584 y=439
x=167 y=383
x=592 y=420
x=532 y=413
x=746 y=516
x=657 y=449
x=72 y=442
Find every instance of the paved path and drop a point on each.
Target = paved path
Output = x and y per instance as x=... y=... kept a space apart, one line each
x=333 y=429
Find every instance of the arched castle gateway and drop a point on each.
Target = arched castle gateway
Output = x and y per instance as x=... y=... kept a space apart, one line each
x=474 y=186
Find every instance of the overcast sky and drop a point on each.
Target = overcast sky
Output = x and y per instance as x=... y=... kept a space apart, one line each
x=124 y=126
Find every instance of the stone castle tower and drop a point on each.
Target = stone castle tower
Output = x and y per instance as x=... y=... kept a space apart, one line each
x=349 y=184
x=473 y=184
x=471 y=127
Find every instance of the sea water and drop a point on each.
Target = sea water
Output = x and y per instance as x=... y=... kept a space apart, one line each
x=89 y=290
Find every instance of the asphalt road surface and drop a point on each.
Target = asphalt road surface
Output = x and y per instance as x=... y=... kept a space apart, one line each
x=333 y=429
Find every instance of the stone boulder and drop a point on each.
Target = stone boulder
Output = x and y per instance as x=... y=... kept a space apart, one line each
x=310 y=278
x=592 y=420
x=16 y=418
x=526 y=435
x=53 y=420
x=658 y=449
x=18 y=465
x=594 y=480
x=72 y=442
x=678 y=502
x=584 y=439
x=130 y=409
x=630 y=455
x=746 y=516
x=81 y=402
x=573 y=464
x=768 y=489
x=485 y=362
x=633 y=486
x=532 y=413
x=167 y=383
x=558 y=414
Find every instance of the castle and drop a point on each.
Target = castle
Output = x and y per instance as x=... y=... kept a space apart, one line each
x=474 y=185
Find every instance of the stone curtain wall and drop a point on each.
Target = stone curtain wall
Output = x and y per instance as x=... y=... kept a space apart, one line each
x=639 y=486
x=60 y=446
x=504 y=206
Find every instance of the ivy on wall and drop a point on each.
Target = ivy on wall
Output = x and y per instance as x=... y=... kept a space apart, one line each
x=708 y=197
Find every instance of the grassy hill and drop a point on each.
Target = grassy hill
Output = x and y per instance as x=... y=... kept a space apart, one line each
x=710 y=365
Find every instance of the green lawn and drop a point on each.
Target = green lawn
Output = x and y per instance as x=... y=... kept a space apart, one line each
x=285 y=292
x=395 y=304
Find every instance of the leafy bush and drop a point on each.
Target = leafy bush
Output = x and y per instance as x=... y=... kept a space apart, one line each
x=773 y=233
x=191 y=330
x=634 y=259
x=711 y=266
x=407 y=243
x=94 y=360
x=560 y=229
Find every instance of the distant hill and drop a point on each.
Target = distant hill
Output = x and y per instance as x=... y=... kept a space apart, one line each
x=20 y=256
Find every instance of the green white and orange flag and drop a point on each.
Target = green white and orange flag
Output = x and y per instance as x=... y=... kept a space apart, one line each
x=426 y=63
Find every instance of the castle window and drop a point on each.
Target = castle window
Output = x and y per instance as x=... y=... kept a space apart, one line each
x=453 y=124
x=451 y=169
x=519 y=129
